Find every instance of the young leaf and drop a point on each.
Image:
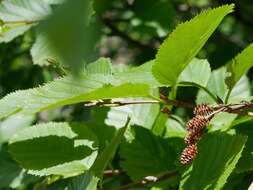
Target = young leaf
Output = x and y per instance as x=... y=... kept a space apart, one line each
x=146 y=155
x=238 y=66
x=19 y=15
x=184 y=43
x=35 y=149
x=217 y=157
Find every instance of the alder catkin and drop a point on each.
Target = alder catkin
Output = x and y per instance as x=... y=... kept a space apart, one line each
x=202 y=110
x=198 y=122
x=193 y=136
x=189 y=154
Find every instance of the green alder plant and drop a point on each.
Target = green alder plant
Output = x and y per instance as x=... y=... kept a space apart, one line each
x=86 y=149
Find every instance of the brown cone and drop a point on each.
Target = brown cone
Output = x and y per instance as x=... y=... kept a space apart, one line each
x=189 y=154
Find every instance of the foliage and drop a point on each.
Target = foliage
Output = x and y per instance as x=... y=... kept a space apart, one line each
x=95 y=95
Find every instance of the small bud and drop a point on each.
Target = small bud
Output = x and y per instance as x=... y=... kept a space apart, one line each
x=189 y=154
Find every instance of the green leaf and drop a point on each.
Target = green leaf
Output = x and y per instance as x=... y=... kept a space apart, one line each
x=101 y=66
x=67 y=90
x=20 y=15
x=174 y=128
x=35 y=149
x=239 y=66
x=140 y=74
x=146 y=155
x=108 y=153
x=222 y=121
x=13 y=124
x=143 y=115
x=159 y=124
x=184 y=43
x=245 y=163
x=217 y=157
x=9 y=169
x=42 y=54
x=84 y=181
x=217 y=86
x=73 y=36
x=196 y=73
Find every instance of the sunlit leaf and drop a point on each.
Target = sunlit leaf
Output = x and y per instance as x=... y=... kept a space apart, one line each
x=184 y=43
x=217 y=157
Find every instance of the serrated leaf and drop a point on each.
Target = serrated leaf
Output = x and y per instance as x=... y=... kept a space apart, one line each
x=68 y=90
x=239 y=66
x=146 y=155
x=184 y=43
x=35 y=149
x=213 y=165
x=217 y=86
x=196 y=73
x=20 y=15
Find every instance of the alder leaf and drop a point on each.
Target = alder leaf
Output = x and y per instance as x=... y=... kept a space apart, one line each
x=68 y=90
x=183 y=44
x=217 y=156
x=147 y=154
x=196 y=73
x=35 y=149
x=140 y=74
x=18 y=16
x=217 y=86
x=238 y=66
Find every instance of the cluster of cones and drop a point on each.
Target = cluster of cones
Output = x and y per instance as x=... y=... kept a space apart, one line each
x=195 y=129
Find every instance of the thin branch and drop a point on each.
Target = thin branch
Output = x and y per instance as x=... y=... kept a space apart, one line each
x=239 y=108
x=149 y=180
x=112 y=103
